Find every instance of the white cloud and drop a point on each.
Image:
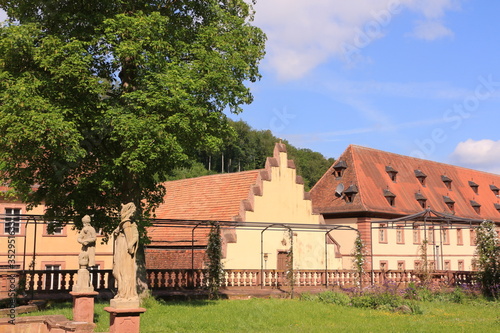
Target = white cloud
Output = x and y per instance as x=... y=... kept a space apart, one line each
x=431 y=30
x=305 y=34
x=481 y=154
x=3 y=15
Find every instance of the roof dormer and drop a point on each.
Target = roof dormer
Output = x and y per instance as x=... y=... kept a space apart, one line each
x=390 y=197
x=474 y=186
x=476 y=206
x=497 y=207
x=391 y=172
x=447 y=181
x=449 y=203
x=422 y=200
x=495 y=189
x=339 y=168
x=420 y=176
x=350 y=193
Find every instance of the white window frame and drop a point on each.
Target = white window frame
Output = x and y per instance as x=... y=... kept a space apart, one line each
x=12 y=218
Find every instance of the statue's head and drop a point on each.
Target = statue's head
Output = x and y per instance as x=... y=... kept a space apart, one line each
x=86 y=219
x=128 y=210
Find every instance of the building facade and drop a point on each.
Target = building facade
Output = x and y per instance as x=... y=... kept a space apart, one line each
x=271 y=216
x=409 y=211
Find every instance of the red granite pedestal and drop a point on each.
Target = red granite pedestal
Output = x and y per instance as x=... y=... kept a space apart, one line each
x=83 y=306
x=122 y=320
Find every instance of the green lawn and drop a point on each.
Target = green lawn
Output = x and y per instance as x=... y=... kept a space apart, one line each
x=286 y=315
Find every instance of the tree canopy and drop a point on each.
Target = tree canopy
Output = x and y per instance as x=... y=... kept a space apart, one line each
x=100 y=100
x=248 y=150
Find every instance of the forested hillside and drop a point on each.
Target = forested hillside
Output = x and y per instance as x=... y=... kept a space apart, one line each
x=248 y=149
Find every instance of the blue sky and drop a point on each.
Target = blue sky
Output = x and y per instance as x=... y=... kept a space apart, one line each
x=418 y=78
x=413 y=77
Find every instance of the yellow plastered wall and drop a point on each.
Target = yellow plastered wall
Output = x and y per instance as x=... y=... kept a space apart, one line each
x=45 y=249
x=345 y=239
x=447 y=252
x=282 y=201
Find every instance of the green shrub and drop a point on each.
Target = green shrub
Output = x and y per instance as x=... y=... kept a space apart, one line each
x=334 y=298
x=458 y=296
x=364 y=301
x=414 y=307
x=308 y=297
x=424 y=294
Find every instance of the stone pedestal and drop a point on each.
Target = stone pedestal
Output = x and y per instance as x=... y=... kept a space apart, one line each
x=123 y=320
x=83 y=306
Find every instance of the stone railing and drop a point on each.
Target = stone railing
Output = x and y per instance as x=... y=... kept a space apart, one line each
x=178 y=279
x=63 y=280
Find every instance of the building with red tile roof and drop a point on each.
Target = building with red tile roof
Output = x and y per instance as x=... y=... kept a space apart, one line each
x=252 y=200
x=368 y=188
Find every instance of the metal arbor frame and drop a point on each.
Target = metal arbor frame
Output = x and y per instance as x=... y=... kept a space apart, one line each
x=262 y=226
x=428 y=218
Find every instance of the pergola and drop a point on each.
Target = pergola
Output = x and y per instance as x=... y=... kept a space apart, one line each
x=262 y=226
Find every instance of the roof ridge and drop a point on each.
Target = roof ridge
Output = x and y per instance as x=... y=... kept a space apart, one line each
x=420 y=159
x=217 y=175
x=356 y=180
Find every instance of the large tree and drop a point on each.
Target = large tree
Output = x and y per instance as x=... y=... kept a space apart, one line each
x=99 y=100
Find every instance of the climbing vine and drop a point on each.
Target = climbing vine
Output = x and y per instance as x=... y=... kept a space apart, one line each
x=424 y=270
x=215 y=269
x=359 y=259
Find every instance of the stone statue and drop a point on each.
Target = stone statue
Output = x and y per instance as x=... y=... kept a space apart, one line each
x=126 y=238
x=86 y=258
x=87 y=238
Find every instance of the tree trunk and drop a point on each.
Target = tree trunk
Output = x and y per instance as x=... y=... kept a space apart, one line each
x=142 y=280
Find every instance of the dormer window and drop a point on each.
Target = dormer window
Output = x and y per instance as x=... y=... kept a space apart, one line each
x=391 y=172
x=420 y=176
x=339 y=168
x=495 y=189
x=497 y=207
x=474 y=186
x=447 y=181
x=476 y=206
x=421 y=200
x=350 y=193
x=390 y=197
x=449 y=203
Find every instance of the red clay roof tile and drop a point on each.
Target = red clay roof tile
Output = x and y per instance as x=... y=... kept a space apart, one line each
x=367 y=169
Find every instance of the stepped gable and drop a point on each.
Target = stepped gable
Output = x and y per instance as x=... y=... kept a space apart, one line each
x=221 y=197
x=414 y=184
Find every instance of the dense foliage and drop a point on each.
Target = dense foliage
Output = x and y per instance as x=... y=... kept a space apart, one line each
x=488 y=258
x=248 y=149
x=100 y=100
x=215 y=269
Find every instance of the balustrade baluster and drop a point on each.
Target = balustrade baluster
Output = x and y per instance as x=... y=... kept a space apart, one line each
x=247 y=278
x=241 y=280
x=101 y=281
x=169 y=279
x=63 y=282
